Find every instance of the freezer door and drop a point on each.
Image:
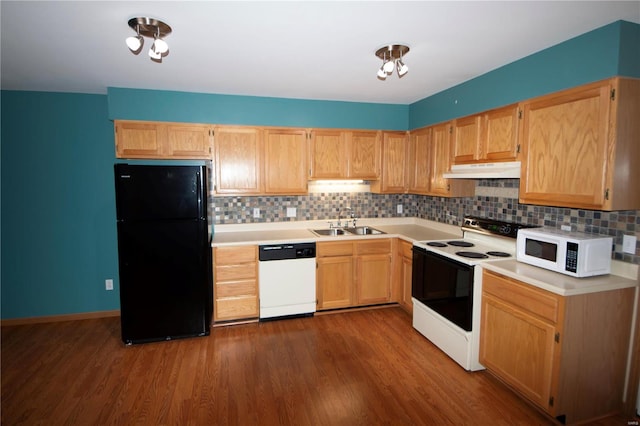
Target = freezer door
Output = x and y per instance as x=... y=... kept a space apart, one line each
x=165 y=280
x=160 y=192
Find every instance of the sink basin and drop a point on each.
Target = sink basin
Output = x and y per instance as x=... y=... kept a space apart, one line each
x=332 y=232
x=358 y=230
x=365 y=230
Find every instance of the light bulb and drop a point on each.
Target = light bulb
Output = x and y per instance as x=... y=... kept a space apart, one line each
x=388 y=67
x=134 y=43
x=160 y=46
x=402 y=68
x=382 y=73
x=154 y=55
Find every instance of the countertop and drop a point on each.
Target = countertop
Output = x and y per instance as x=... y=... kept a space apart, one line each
x=409 y=229
x=413 y=229
x=557 y=283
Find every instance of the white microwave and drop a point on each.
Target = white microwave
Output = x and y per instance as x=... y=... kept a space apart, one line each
x=572 y=253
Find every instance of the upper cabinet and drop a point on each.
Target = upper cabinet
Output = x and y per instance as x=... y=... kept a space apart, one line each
x=338 y=154
x=285 y=161
x=440 y=163
x=580 y=147
x=394 y=164
x=487 y=137
x=156 y=140
x=419 y=162
x=238 y=160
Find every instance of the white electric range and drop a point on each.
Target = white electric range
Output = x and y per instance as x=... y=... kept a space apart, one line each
x=447 y=289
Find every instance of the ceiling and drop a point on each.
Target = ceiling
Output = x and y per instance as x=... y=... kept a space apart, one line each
x=294 y=49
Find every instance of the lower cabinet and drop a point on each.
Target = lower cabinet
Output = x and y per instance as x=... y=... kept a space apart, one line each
x=235 y=283
x=567 y=355
x=353 y=273
x=403 y=275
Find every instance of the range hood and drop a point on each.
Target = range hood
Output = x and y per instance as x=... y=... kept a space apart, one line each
x=502 y=170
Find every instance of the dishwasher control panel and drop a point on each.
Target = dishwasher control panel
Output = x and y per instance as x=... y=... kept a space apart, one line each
x=287 y=251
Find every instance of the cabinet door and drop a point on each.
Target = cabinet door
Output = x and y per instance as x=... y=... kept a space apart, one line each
x=394 y=161
x=363 y=155
x=328 y=154
x=440 y=159
x=466 y=139
x=334 y=282
x=500 y=134
x=139 y=139
x=285 y=161
x=189 y=141
x=564 y=137
x=238 y=157
x=519 y=348
x=373 y=282
x=419 y=166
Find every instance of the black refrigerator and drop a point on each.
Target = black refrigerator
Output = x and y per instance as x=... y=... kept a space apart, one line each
x=164 y=252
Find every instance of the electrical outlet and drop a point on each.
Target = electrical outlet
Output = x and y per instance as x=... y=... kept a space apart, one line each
x=256 y=213
x=565 y=227
x=399 y=208
x=292 y=212
x=108 y=284
x=629 y=244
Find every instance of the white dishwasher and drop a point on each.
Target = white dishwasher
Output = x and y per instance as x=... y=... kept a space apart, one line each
x=287 y=280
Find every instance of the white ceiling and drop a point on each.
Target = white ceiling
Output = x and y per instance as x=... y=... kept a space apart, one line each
x=295 y=49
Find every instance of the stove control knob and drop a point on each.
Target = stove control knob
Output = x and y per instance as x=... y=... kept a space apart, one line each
x=505 y=230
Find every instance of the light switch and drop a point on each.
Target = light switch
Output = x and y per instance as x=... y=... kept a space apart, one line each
x=629 y=244
x=256 y=212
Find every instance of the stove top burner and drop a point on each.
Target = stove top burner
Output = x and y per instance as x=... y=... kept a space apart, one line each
x=460 y=243
x=436 y=244
x=498 y=254
x=472 y=254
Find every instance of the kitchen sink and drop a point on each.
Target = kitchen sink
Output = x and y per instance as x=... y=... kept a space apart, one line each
x=331 y=232
x=358 y=230
x=364 y=230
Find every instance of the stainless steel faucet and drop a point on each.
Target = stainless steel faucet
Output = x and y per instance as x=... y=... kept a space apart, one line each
x=352 y=217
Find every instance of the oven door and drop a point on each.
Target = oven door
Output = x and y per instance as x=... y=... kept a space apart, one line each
x=443 y=285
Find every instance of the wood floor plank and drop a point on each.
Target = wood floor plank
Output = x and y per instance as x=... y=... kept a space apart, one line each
x=353 y=368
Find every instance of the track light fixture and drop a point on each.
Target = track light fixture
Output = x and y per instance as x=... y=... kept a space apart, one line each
x=151 y=28
x=391 y=56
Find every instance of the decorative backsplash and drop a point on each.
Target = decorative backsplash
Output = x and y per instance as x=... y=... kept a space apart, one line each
x=495 y=198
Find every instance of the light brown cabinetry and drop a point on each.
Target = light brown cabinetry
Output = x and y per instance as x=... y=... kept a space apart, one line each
x=419 y=162
x=235 y=283
x=567 y=355
x=285 y=161
x=486 y=137
x=353 y=273
x=580 y=147
x=393 y=176
x=156 y=140
x=441 y=159
x=340 y=154
x=238 y=160
x=403 y=274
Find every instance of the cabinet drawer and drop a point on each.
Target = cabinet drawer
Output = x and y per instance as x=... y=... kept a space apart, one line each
x=334 y=249
x=236 y=289
x=538 y=302
x=236 y=308
x=374 y=247
x=235 y=272
x=235 y=255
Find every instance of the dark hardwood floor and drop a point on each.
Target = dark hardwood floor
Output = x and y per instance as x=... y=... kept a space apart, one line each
x=354 y=368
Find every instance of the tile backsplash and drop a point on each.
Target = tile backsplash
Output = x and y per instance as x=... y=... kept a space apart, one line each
x=495 y=198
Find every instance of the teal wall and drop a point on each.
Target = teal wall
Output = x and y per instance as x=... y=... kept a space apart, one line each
x=58 y=203
x=137 y=104
x=607 y=51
